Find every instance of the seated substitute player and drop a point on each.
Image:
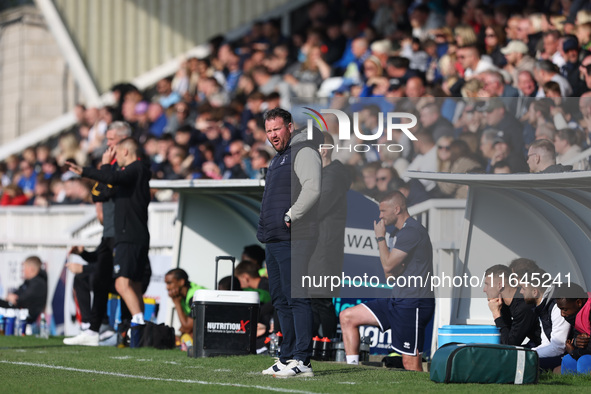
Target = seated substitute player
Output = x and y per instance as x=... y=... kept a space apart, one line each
x=181 y=291
x=247 y=273
x=410 y=309
x=511 y=314
x=553 y=328
x=575 y=306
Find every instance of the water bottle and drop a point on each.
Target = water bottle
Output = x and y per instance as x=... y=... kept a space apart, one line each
x=326 y=348
x=23 y=316
x=17 y=325
x=43 y=329
x=9 y=321
x=273 y=345
x=2 y=313
x=316 y=348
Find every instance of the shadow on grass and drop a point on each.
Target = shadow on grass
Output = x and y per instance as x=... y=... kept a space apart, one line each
x=341 y=371
x=351 y=370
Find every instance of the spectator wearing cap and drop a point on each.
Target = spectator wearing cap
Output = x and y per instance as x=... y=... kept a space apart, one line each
x=545 y=71
x=541 y=158
x=518 y=59
x=570 y=70
x=395 y=89
x=567 y=148
x=504 y=152
x=497 y=117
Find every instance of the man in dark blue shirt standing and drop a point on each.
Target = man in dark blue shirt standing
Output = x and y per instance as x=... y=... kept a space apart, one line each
x=408 y=257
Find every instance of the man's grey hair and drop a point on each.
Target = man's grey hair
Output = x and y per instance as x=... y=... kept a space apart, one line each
x=489 y=135
x=122 y=129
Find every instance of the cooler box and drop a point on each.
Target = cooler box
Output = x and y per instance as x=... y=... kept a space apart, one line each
x=225 y=322
x=469 y=334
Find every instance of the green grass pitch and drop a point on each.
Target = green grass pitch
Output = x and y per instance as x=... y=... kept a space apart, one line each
x=32 y=365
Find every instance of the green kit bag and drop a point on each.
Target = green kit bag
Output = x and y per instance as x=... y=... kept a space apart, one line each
x=484 y=363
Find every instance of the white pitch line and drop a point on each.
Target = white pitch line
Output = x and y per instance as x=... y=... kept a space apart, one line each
x=122 y=375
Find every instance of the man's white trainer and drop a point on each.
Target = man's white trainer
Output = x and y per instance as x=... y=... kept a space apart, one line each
x=85 y=338
x=278 y=366
x=295 y=368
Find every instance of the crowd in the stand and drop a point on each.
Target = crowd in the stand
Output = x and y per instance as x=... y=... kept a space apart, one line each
x=485 y=79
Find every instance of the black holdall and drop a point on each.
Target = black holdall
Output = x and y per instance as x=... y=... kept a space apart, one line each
x=159 y=336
